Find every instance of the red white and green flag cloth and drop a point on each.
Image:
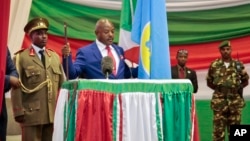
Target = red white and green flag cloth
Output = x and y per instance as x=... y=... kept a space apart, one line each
x=118 y=110
x=197 y=26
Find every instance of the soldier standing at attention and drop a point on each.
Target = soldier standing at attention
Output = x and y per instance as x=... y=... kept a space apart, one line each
x=226 y=76
x=41 y=76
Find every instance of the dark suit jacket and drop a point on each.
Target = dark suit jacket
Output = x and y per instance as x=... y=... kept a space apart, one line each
x=88 y=64
x=190 y=74
x=10 y=71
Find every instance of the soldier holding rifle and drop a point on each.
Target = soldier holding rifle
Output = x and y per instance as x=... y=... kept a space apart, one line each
x=226 y=76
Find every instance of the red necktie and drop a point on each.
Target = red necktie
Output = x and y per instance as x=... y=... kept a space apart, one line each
x=110 y=54
x=181 y=73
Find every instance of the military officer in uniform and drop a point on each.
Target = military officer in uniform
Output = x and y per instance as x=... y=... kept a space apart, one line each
x=41 y=76
x=226 y=76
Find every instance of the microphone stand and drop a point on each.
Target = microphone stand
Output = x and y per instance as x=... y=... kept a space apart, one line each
x=107 y=75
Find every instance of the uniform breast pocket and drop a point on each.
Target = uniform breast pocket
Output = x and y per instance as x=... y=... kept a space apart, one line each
x=56 y=74
x=33 y=75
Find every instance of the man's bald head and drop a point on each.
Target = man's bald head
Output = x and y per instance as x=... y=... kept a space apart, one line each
x=105 y=31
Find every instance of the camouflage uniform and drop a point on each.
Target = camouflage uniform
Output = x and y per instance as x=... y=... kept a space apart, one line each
x=227 y=104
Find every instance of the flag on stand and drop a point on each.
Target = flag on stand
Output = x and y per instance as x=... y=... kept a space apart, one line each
x=131 y=48
x=151 y=32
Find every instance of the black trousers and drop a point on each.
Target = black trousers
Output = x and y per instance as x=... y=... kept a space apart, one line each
x=3 y=121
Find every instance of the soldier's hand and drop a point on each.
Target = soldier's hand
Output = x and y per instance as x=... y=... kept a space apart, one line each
x=243 y=72
x=19 y=119
x=66 y=50
x=14 y=82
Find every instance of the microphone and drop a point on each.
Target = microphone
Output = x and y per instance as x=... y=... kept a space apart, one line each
x=107 y=66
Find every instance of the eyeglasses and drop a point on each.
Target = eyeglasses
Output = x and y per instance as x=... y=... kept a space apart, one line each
x=182 y=51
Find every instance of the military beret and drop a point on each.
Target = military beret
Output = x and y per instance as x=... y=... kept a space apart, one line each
x=36 y=23
x=225 y=44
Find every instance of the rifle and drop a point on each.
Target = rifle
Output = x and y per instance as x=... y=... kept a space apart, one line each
x=239 y=69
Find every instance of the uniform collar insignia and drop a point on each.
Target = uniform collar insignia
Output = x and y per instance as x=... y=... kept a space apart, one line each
x=32 y=51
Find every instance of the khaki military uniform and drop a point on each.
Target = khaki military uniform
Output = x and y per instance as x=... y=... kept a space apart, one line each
x=37 y=107
x=34 y=102
x=227 y=103
x=36 y=99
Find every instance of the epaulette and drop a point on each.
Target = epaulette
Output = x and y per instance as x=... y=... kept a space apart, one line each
x=51 y=49
x=48 y=51
x=21 y=50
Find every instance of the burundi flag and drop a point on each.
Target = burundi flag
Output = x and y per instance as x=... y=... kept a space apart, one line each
x=151 y=32
x=130 y=47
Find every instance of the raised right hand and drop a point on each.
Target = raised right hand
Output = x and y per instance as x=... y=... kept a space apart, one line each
x=66 y=50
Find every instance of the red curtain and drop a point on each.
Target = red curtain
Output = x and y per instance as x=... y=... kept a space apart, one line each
x=4 y=24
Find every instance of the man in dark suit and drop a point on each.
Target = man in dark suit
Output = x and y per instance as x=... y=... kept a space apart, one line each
x=88 y=58
x=11 y=80
x=180 y=71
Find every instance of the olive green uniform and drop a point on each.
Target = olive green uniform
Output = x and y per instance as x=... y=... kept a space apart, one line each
x=227 y=103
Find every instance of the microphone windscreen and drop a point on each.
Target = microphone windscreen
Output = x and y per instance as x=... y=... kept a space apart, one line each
x=107 y=65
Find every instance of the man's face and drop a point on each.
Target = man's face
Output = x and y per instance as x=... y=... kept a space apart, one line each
x=182 y=59
x=105 y=33
x=225 y=53
x=39 y=37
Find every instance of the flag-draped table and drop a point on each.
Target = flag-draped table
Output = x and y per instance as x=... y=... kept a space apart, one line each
x=124 y=110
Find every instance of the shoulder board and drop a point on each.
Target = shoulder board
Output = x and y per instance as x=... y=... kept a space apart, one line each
x=21 y=50
x=50 y=49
